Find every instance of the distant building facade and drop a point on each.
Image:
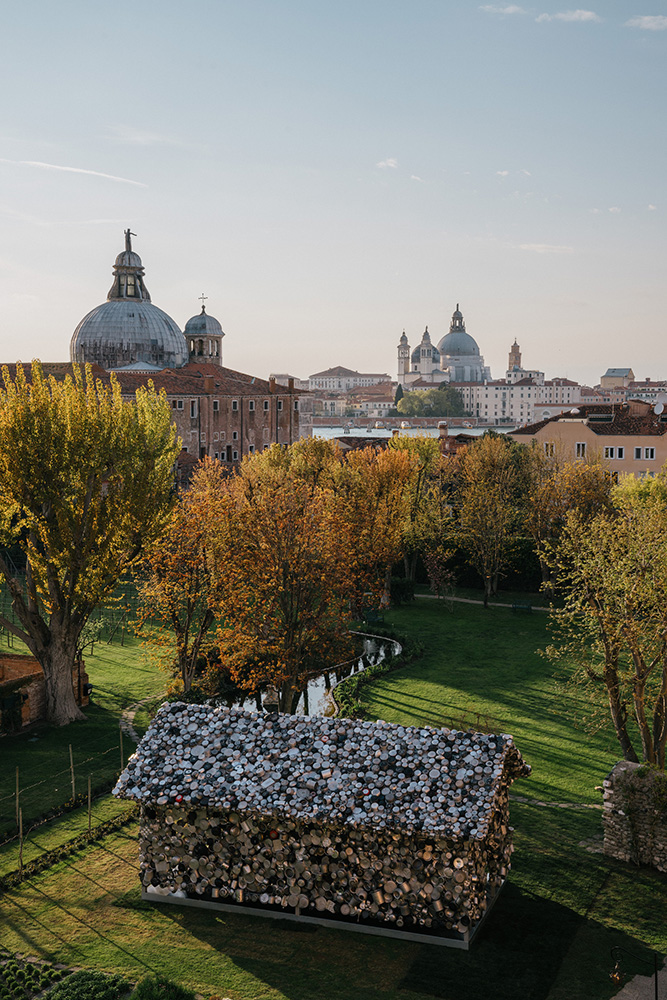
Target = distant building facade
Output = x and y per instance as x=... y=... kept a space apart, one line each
x=339 y=379
x=631 y=437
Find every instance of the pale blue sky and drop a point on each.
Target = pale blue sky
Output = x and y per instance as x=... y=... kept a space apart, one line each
x=330 y=173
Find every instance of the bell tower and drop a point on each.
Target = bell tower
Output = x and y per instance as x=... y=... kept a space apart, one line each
x=514 y=356
x=403 y=358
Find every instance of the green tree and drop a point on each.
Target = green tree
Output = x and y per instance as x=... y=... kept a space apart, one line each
x=443 y=402
x=491 y=484
x=398 y=395
x=85 y=482
x=612 y=573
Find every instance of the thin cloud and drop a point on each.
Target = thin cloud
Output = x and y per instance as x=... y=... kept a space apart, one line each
x=512 y=8
x=72 y=170
x=391 y=163
x=648 y=22
x=570 y=15
x=544 y=248
x=141 y=137
x=614 y=209
x=653 y=208
x=413 y=177
x=526 y=173
x=502 y=173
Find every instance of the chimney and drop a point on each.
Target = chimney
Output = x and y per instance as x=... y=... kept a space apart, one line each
x=272 y=384
x=443 y=429
x=209 y=383
x=290 y=385
x=395 y=432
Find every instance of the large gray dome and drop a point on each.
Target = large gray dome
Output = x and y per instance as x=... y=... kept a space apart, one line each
x=122 y=332
x=457 y=343
x=128 y=328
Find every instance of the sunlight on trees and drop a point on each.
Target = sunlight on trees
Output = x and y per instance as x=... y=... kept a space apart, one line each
x=85 y=483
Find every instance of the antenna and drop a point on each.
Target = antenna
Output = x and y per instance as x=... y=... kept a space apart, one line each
x=658 y=408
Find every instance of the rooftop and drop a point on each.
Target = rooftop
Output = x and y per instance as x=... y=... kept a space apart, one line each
x=339 y=771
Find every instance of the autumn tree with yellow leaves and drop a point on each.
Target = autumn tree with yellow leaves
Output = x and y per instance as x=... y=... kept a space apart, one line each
x=85 y=483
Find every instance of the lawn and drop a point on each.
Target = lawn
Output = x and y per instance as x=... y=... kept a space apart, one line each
x=548 y=937
x=121 y=675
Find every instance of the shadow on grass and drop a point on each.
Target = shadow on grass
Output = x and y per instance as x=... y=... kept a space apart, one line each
x=531 y=948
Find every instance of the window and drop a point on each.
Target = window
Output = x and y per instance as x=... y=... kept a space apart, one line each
x=296 y=404
x=266 y=447
x=280 y=404
x=235 y=435
x=216 y=405
x=580 y=449
x=638 y=453
x=610 y=453
x=251 y=405
x=649 y=453
x=251 y=449
x=179 y=404
x=235 y=456
x=216 y=454
x=266 y=404
x=193 y=407
x=620 y=453
x=235 y=405
x=549 y=448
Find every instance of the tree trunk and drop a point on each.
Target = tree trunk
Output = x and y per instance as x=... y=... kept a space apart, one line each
x=57 y=662
x=619 y=715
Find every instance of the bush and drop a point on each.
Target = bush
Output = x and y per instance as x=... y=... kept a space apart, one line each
x=90 y=986
x=401 y=590
x=160 y=988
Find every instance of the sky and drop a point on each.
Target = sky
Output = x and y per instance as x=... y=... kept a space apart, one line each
x=332 y=173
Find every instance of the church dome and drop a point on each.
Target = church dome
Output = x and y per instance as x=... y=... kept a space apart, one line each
x=457 y=343
x=203 y=325
x=128 y=328
x=428 y=349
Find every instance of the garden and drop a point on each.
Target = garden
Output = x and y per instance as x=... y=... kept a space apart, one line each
x=549 y=936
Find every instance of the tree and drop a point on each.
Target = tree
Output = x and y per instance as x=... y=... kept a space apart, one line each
x=491 y=481
x=398 y=395
x=422 y=527
x=85 y=482
x=443 y=402
x=282 y=573
x=558 y=488
x=612 y=572
x=178 y=592
x=299 y=535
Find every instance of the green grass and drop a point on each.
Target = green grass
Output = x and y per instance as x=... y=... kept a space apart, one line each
x=481 y=669
x=548 y=937
x=121 y=675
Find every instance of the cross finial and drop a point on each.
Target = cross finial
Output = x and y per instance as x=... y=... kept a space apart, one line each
x=202 y=299
x=128 y=239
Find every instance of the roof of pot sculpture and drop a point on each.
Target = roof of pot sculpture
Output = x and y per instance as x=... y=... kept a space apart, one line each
x=316 y=769
x=128 y=328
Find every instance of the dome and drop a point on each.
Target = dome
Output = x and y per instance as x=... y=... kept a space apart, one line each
x=203 y=325
x=457 y=343
x=427 y=346
x=122 y=332
x=127 y=328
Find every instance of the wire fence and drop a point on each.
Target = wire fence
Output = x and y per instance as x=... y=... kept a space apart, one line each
x=72 y=775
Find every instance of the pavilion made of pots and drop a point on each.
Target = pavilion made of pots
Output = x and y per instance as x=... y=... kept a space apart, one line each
x=381 y=828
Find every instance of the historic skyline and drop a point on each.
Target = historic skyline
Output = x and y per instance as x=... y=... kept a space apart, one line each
x=331 y=174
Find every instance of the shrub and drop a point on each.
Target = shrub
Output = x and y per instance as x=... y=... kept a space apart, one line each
x=90 y=986
x=160 y=988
